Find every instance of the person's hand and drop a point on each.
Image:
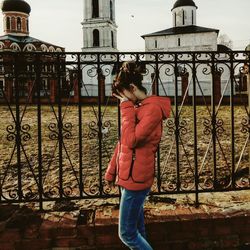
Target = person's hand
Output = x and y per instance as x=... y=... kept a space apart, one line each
x=121 y=96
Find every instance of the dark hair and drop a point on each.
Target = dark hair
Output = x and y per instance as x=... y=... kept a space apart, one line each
x=129 y=73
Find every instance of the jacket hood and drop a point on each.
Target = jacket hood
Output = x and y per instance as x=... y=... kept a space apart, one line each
x=163 y=101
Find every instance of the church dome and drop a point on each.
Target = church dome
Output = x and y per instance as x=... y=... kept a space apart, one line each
x=16 y=5
x=180 y=3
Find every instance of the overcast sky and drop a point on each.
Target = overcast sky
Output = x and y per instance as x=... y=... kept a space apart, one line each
x=59 y=21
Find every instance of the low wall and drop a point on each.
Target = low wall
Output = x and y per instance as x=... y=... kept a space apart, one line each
x=169 y=226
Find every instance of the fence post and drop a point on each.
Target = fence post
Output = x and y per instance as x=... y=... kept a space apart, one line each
x=9 y=90
x=248 y=93
x=155 y=82
x=101 y=81
x=30 y=91
x=184 y=85
x=217 y=82
x=53 y=91
x=76 y=91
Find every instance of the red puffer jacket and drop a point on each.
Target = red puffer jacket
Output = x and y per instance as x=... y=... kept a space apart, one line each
x=133 y=162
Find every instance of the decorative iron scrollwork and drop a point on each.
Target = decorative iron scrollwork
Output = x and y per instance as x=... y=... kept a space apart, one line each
x=171 y=126
x=209 y=127
x=93 y=129
x=93 y=187
x=106 y=128
x=30 y=195
x=11 y=194
x=11 y=130
x=25 y=136
x=52 y=192
x=67 y=191
x=24 y=132
x=66 y=131
x=245 y=126
x=182 y=128
x=67 y=128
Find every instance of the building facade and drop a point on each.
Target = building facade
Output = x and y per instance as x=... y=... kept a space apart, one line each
x=16 y=38
x=186 y=36
x=99 y=35
x=99 y=26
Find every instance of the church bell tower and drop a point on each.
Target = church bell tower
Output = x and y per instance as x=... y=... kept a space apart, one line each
x=99 y=27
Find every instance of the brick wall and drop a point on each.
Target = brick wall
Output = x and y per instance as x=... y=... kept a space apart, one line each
x=183 y=227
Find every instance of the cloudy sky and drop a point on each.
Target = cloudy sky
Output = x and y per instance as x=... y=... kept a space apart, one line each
x=59 y=21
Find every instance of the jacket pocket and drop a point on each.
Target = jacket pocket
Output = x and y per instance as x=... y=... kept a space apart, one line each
x=125 y=162
x=143 y=171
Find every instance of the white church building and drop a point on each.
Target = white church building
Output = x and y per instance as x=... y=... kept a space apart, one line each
x=99 y=35
x=185 y=36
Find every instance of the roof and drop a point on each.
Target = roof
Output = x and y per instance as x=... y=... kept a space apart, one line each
x=181 y=30
x=15 y=5
x=180 y=3
x=25 y=40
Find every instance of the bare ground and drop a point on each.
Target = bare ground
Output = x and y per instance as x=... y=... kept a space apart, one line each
x=93 y=158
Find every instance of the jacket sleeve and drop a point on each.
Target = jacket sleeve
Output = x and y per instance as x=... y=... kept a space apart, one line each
x=111 y=170
x=133 y=134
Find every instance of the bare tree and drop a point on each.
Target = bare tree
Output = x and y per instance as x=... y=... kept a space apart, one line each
x=225 y=40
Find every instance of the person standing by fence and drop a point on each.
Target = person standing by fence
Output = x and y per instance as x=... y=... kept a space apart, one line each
x=133 y=162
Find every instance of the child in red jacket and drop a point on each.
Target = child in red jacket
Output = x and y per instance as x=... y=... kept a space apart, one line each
x=133 y=163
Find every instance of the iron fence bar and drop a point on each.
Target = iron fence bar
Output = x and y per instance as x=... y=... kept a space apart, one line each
x=213 y=118
x=118 y=104
x=39 y=130
x=18 y=127
x=99 y=75
x=156 y=84
x=118 y=117
x=232 y=118
x=79 y=81
x=177 y=131
x=195 y=133
x=60 y=125
x=248 y=108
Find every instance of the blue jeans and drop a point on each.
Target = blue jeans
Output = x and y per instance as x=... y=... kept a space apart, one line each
x=131 y=219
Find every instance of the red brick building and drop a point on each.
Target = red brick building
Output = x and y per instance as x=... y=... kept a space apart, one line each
x=16 y=39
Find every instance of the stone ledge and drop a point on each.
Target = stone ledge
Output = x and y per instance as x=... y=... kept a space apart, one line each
x=222 y=221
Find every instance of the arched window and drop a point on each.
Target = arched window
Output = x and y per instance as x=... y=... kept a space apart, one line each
x=111 y=10
x=27 y=25
x=95 y=8
x=96 y=38
x=8 y=23
x=179 y=42
x=112 y=39
x=183 y=17
x=19 y=24
x=175 y=19
x=192 y=17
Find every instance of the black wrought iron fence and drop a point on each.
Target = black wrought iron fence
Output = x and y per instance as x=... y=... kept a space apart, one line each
x=59 y=126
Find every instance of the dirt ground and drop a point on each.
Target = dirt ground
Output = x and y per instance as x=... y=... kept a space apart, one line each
x=77 y=160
